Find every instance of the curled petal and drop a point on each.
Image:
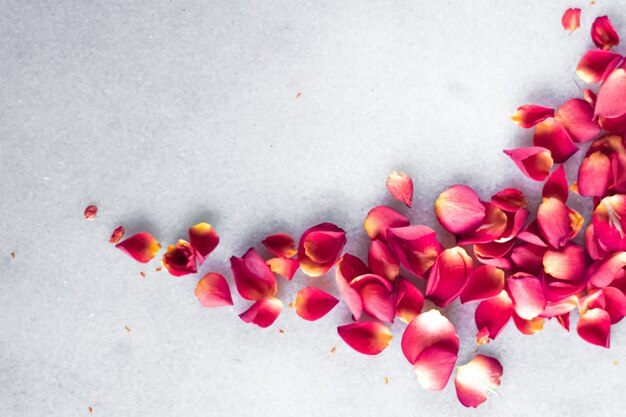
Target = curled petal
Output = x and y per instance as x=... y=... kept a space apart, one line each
x=509 y=199
x=142 y=247
x=613 y=124
x=567 y=263
x=320 y=247
x=416 y=247
x=576 y=116
x=493 y=314
x=281 y=245
x=400 y=186
x=117 y=235
x=603 y=34
x=594 y=175
x=204 y=239
x=528 y=258
x=556 y=185
x=612 y=95
x=492 y=227
x=528 y=327
x=534 y=162
x=550 y=134
x=284 y=267
x=459 y=209
x=594 y=248
x=596 y=65
x=527 y=295
x=476 y=379
x=529 y=115
x=449 y=276
x=381 y=218
x=376 y=295
x=602 y=273
x=571 y=19
x=409 y=300
x=90 y=212
x=348 y=268
x=483 y=283
x=493 y=253
x=180 y=259
x=433 y=367
x=426 y=330
x=590 y=97
x=264 y=312
x=382 y=260
x=253 y=277
x=368 y=338
x=558 y=223
x=609 y=222
x=594 y=326
x=213 y=291
x=313 y=303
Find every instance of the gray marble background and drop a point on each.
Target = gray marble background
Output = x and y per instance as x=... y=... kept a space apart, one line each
x=258 y=117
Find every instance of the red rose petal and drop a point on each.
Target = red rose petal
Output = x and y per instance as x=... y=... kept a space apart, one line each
x=400 y=186
x=476 y=379
x=596 y=65
x=493 y=314
x=348 y=268
x=509 y=199
x=416 y=247
x=253 y=277
x=527 y=295
x=376 y=295
x=313 y=303
x=594 y=175
x=449 y=276
x=426 y=330
x=213 y=291
x=594 y=326
x=368 y=338
x=602 y=273
x=180 y=259
x=609 y=222
x=594 y=248
x=280 y=245
x=90 y=212
x=529 y=115
x=382 y=260
x=409 y=300
x=612 y=94
x=117 y=235
x=556 y=185
x=558 y=223
x=576 y=116
x=571 y=19
x=534 y=162
x=483 y=283
x=320 y=247
x=493 y=253
x=433 y=367
x=528 y=327
x=142 y=247
x=459 y=209
x=284 y=267
x=550 y=134
x=492 y=227
x=603 y=34
x=204 y=240
x=264 y=312
x=567 y=263
x=381 y=218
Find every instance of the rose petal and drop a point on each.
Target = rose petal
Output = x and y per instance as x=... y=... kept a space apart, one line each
x=180 y=259
x=426 y=330
x=483 y=283
x=204 y=240
x=493 y=253
x=602 y=273
x=416 y=247
x=571 y=19
x=400 y=186
x=381 y=218
x=615 y=304
x=320 y=247
x=514 y=225
x=348 y=268
x=376 y=295
x=368 y=338
x=576 y=116
x=556 y=185
x=594 y=248
x=509 y=199
x=253 y=277
x=281 y=245
x=528 y=258
x=567 y=263
x=449 y=276
x=409 y=300
x=213 y=291
x=550 y=134
x=596 y=65
x=603 y=34
x=609 y=222
x=612 y=94
x=594 y=175
x=90 y=212
x=492 y=227
x=613 y=124
x=594 y=326
x=529 y=115
x=527 y=295
x=117 y=235
x=459 y=209
x=264 y=312
x=558 y=223
x=382 y=260
x=433 y=367
x=476 y=379
x=142 y=247
x=493 y=314
x=313 y=303
x=528 y=327
x=284 y=267
x=534 y=162
x=532 y=235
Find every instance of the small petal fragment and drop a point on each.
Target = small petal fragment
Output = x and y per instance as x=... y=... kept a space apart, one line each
x=459 y=209
x=382 y=260
x=426 y=330
x=142 y=247
x=204 y=240
x=280 y=245
x=253 y=277
x=213 y=291
x=313 y=303
x=264 y=312
x=449 y=276
x=284 y=267
x=483 y=283
x=409 y=300
x=526 y=292
x=117 y=235
x=320 y=247
x=90 y=212
x=368 y=338
x=180 y=259
x=529 y=115
x=381 y=218
x=534 y=162
x=571 y=19
x=476 y=379
x=594 y=326
x=603 y=34
x=400 y=186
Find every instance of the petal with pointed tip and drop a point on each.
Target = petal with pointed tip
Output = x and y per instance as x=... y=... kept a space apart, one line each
x=368 y=338
x=213 y=291
x=602 y=273
x=449 y=276
x=428 y=329
x=476 y=379
x=603 y=33
x=409 y=300
x=576 y=116
x=556 y=185
x=204 y=239
x=381 y=218
x=550 y=134
x=400 y=186
x=534 y=162
x=142 y=247
x=348 y=268
x=459 y=209
x=264 y=312
x=529 y=115
x=280 y=245
x=493 y=314
x=596 y=65
x=253 y=277
x=313 y=303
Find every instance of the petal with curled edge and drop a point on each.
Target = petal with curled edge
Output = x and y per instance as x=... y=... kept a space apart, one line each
x=180 y=259
x=348 y=268
x=368 y=338
x=558 y=223
x=253 y=278
x=142 y=247
x=526 y=292
x=281 y=245
x=571 y=19
x=603 y=33
x=494 y=253
x=376 y=295
x=381 y=218
x=510 y=199
x=313 y=303
x=434 y=365
x=535 y=162
x=529 y=115
x=382 y=261
x=483 y=283
x=459 y=209
x=594 y=175
x=615 y=303
x=603 y=272
x=409 y=300
x=493 y=314
x=492 y=227
x=550 y=134
x=528 y=258
x=284 y=267
x=204 y=240
x=320 y=247
x=264 y=312
x=428 y=329
x=609 y=222
x=556 y=185
x=449 y=276
x=596 y=65
x=576 y=116
x=594 y=326
x=117 y=235
x=612 y=94
x=400 y=186
x=477 y=379
x=213 y=291
x=613 y=124
x=594 y=248
x=566 y=263
x=416 y=247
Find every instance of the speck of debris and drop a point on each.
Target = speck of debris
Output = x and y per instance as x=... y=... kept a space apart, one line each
x=333 y=350
x=90 y=409
x=159 y=269
x=615 y=363
x=386 y=380
x=290 y=305
x=281 y=331
x=12 y=255
x=127 y=329
x=143 y=274
x=298 y=95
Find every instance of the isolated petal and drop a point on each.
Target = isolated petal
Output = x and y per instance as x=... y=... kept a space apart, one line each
x=426 y=330
x=571 y=19
x=493 y=314
x=264 y=312
x=433 y=367
x=180 y=259
x=409 y=300
x=382 y=261
x=594 y=326
x=550 y=134
x=529 y=115
x=368 y=338
x=596 y=65
x=534 y=162
x=492 y=227
x=284 y=267
x=400 y=186
x=576 y=116
x=476 y=379
x=320 y=247
x=213 y=291
x=313 y=303
x=416 y=247
x=381 y=218
x=280 y=245
x=204 y=239
x=526 y=292
x=253 y=277
x=459 y=209
x=142 y=247
x=483 y=283
x=603 y=34
x=117 y=235
x=449 y=276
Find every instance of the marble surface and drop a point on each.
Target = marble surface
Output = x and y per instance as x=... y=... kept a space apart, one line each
x=258 y=117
